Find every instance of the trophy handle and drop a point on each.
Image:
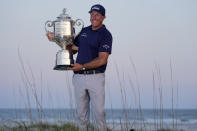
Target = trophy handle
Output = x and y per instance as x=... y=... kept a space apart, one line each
x=79 y=22
x=49 y=24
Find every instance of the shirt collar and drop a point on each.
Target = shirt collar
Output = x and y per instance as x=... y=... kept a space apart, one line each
x=99 y=30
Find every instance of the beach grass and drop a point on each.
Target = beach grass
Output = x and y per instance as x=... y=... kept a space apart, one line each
x=40 y=127
x=168 y=130
x=31 y=89
x=62 y=127
x=44 y=127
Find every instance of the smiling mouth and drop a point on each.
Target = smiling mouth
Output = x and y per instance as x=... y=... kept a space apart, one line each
x=94 y=21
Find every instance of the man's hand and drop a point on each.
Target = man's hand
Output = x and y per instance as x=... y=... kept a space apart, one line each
x=76 y=67
x=50 y=36
x=72 y=48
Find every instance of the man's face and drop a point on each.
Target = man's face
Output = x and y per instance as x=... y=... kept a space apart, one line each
x=96 y=19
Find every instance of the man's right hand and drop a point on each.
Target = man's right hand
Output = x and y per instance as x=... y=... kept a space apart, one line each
x=72 y=48
x=50 y=36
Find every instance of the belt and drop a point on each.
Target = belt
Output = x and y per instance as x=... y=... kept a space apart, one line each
x=89 y=72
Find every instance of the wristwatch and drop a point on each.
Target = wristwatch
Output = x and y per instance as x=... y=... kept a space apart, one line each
x=83 y=68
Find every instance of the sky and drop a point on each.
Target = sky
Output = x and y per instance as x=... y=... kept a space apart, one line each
x=153 y=60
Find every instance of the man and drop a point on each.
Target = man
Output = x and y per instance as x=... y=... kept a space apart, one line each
x=94 y=44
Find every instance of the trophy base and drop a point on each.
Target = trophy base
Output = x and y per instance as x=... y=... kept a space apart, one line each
x=62 y=67
x=64 y=60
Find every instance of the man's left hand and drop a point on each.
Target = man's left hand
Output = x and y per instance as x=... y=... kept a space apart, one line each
x=76 y=67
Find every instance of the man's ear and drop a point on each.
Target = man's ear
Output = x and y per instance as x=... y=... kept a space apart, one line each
x=104 y=17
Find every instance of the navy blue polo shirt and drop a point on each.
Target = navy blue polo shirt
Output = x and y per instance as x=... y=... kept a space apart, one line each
x=91 y=42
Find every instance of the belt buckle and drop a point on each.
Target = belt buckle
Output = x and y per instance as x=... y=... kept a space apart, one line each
x=93 y=71
x=85 y=72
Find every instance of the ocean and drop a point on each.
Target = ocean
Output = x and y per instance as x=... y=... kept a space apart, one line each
x=165 y=116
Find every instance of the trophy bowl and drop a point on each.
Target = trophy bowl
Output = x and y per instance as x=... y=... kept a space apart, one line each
x=64 y=35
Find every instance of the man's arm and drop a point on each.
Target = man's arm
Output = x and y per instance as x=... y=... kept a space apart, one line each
x=97 y=62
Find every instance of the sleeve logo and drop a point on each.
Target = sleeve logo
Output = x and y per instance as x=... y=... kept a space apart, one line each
x=106 y=46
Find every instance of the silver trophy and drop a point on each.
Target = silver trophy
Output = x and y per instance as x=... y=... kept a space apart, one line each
x=64 y=35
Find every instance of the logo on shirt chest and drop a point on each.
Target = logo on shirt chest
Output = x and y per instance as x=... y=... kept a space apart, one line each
x=84 y=35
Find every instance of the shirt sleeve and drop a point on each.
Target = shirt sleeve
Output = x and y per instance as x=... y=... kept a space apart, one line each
x=106 y=43
x=76 y=41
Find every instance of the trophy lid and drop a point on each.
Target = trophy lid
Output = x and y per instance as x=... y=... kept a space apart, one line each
x=64 y=15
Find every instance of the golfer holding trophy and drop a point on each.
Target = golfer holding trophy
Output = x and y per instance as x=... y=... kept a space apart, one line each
x=94 y=45
x=64 y=35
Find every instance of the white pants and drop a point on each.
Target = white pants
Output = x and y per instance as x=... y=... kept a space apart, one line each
x=90 y=89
